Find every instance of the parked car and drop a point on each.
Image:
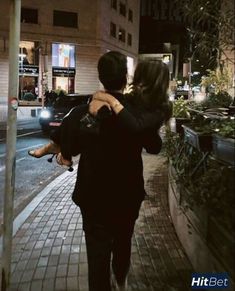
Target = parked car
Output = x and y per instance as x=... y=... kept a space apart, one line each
x=51 y=116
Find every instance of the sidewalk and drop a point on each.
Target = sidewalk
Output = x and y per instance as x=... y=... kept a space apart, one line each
x=49 y=250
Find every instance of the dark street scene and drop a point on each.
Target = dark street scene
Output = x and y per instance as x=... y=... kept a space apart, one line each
x=117 y=145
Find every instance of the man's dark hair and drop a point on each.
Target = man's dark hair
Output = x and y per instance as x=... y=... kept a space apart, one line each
x=112 y=69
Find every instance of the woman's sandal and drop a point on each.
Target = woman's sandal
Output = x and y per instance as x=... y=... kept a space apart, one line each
x=50 y=148
x=63 y=162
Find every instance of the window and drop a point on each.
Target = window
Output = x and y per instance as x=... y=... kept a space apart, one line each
x=28 y=55
x=122 y=9
x=130 y=15
x=113 y=30
x=29 y=15
x=114 y=4
x=65 y=19
x=28 y=71
x=129 y=39
x=122 y=35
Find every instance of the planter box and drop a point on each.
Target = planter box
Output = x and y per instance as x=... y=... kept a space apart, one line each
x=208 y=245
x=224 y=149
x=231 y=110
x=198 y=217
x=200 y=141
x=221 y=241
x=179 y=123
x=193 y=241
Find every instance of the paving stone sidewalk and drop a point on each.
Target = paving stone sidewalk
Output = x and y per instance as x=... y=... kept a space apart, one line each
x=49 y=250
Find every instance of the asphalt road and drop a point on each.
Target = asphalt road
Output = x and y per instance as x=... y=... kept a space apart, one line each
x=31 y=175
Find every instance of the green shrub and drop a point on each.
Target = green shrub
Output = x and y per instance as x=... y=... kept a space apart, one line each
x=180 y=108
x=220 y=99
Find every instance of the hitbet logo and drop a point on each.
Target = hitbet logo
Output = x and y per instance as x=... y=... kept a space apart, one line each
x=209 y=280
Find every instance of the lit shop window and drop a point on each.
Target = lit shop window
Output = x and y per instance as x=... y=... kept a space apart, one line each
x=28 y=71
x=63 y=84
x=63 y=67
x=63 y=55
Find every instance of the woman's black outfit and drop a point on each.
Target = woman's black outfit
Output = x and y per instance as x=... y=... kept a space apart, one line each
x=110 y=185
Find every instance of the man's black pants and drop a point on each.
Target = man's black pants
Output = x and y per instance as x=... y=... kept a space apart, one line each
x=105 y=241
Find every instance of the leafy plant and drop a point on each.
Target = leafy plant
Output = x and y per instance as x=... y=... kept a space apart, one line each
x=60 y=92
x=211 y=188
x=223 y=127
x=211 y=27
x=226 y=128
x=220 y=80
x=180 y=108
x=28 y=96
x=172 y=144
x=221 y=99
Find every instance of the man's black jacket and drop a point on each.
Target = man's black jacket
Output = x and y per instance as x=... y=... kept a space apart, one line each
x=110 y=172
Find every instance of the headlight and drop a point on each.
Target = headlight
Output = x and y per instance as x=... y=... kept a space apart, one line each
x=45 y=114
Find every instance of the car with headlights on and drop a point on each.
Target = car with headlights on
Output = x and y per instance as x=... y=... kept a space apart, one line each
x=51 y=116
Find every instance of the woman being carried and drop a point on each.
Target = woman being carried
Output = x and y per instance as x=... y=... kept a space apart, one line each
x=148 y=97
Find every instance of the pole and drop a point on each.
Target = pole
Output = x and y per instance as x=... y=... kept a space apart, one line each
x=68 y=68
x=190 y=67
x=190 y=79
x=13 y=87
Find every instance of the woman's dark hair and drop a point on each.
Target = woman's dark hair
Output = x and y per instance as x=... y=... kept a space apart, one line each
x=112 y=69
x=151 y=83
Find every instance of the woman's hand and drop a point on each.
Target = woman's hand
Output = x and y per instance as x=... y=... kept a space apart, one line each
x=95 y=106
x=108 y=99
x=102 y=96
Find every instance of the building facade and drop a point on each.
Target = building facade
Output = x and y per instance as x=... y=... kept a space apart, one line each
x=61 y=42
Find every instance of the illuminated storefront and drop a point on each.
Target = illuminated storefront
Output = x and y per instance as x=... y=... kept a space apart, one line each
x=63 y=67
x=58 y=52
x=28 y=72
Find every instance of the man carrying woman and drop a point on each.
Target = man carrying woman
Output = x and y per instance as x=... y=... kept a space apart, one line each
x=110 y=187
